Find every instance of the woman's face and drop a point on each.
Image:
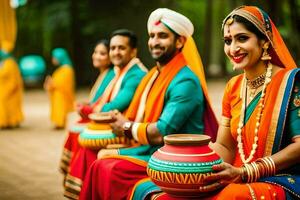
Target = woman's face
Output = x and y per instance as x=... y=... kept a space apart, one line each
x=242 y=47
x=100 y=57
x=55 y=61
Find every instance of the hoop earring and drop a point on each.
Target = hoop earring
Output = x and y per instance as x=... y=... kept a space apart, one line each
x=265 y=56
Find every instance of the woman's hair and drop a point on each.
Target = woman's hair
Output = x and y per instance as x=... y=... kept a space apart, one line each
x=105 y=42
x=249 y=26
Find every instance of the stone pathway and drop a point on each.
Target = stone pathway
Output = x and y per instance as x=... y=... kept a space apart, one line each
x=29 y=155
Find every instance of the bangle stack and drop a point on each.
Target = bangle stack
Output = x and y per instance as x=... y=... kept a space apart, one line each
x=139 y=132
x=260 y=168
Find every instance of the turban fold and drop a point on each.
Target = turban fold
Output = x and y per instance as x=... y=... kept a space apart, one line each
x=175 y=21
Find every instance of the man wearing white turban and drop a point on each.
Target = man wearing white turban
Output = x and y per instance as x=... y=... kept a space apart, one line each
x=172 y=98
x=176 y=22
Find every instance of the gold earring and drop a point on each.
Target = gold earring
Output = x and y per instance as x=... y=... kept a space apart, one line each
x=265 y=55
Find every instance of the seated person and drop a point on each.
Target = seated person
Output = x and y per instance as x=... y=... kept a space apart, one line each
x=172 y=98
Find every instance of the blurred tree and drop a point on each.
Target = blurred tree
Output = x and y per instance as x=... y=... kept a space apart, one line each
x=77 y=25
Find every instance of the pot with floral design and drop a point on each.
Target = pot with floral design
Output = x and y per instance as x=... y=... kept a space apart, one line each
x=179 y=167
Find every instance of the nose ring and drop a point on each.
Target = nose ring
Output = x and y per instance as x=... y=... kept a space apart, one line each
x=238 y=48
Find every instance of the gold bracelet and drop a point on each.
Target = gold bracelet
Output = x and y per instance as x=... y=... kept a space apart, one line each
x=249 y=174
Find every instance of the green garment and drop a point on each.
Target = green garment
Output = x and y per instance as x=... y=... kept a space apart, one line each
x=127 y=90
x=293 y=118
x=101 y=88
x=182 y=112
x=184 y=105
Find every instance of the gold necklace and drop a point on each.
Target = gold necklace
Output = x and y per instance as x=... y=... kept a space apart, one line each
x=254 y=84
x=243 y=95
x=257 y=82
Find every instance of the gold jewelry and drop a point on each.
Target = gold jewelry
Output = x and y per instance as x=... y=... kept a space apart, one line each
x=257 y=82
x=225 y=121
x=265 y=55
x=252 y=94
x=258 y=117
x=229 y=21
x=254 y=84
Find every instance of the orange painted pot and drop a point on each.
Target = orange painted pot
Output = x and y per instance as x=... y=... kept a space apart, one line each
x=179 y=167
x=98 y=133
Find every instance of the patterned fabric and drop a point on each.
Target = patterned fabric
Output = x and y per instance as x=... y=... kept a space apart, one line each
x=163 y=96
x=279 y=118
x=117 y=95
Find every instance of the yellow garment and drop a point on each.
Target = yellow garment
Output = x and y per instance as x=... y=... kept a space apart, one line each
x=62 y=95
x=11 y=93
x=8 y=26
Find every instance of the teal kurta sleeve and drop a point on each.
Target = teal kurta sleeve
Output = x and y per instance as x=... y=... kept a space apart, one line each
x=184 y=105
x=182 y=113
x=293 y=120
x=127 y=90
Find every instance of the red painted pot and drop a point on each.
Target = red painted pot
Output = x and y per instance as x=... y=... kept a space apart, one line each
x=179 y=167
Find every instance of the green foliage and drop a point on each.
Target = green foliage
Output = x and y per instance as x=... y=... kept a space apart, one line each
x=77 y=24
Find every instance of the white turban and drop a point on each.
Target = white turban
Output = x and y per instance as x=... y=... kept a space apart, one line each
x=175 y=21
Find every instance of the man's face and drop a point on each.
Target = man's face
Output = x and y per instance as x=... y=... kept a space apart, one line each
x=120 y=52
x=162 y=44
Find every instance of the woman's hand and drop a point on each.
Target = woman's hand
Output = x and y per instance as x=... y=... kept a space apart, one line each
x=48 y=84
x=106 y=152
x=224 y=174
x=84 y=110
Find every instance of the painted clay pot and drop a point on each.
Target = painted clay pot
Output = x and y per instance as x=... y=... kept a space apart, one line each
x=98 y=133
x=179 y=167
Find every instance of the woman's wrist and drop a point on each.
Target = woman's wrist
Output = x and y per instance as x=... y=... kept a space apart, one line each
x=243 y=173
x=262 y=167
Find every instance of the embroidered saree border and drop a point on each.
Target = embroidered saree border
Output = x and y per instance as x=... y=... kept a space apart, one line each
x=274 y=136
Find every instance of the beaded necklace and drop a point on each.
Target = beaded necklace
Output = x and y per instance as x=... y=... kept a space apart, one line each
x=243 y=96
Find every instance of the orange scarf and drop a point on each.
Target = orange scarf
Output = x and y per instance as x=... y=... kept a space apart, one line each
x=155 y=99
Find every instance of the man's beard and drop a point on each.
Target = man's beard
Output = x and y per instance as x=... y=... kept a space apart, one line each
x=166 y=56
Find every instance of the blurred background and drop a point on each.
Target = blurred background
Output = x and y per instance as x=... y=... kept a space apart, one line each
x=77 y=25
x=30 y=154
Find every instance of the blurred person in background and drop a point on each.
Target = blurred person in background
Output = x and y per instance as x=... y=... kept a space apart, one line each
x=11 y=89
x=60 y=87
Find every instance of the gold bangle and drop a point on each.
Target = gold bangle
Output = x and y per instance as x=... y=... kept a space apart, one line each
x=225 y=121
x=243 y=173
x=273 y=166
x=249 y=174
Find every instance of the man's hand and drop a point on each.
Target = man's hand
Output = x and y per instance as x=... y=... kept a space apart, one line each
x=117 y=126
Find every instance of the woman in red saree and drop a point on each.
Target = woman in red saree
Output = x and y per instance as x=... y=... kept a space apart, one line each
x=101 y=61
x=258 y=137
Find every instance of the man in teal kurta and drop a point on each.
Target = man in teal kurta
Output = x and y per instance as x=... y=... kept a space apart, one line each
x=170 y=99
x=182 y=113
x=118 y=95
